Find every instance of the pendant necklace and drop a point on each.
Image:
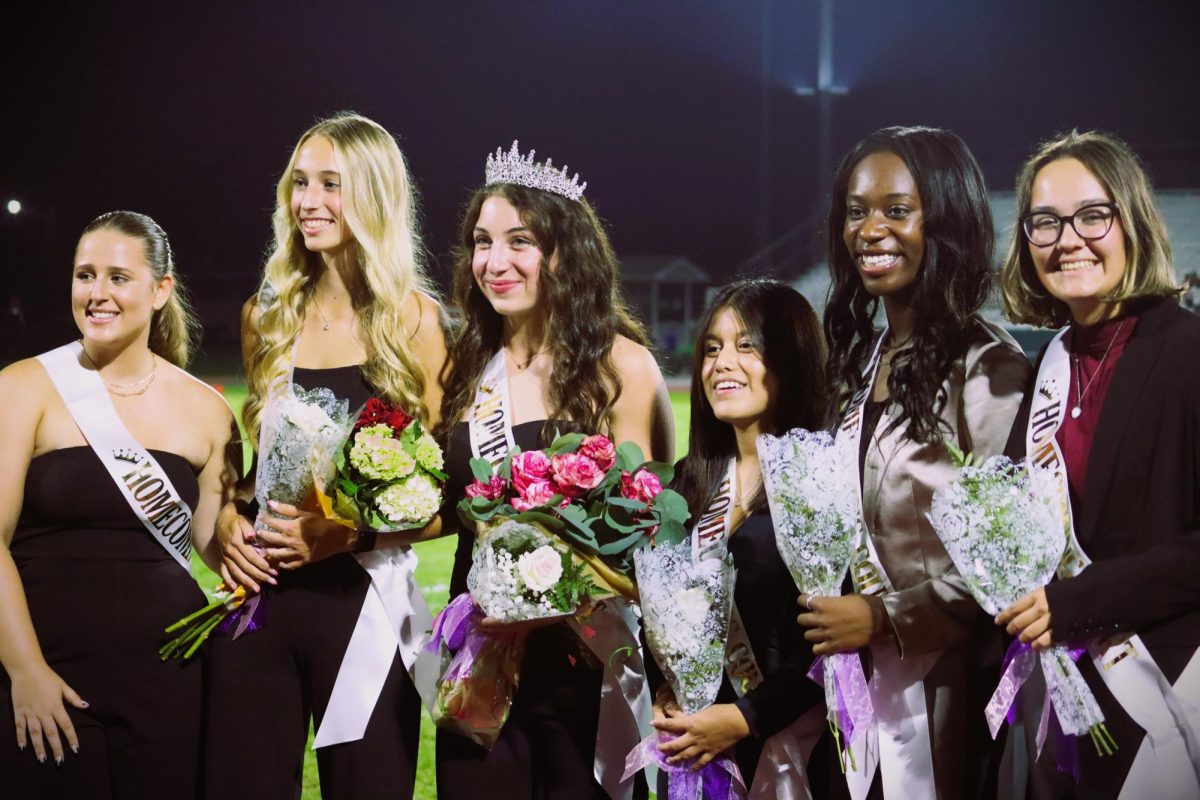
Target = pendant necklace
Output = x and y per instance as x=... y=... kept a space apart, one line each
x=1080 y=389
x=324 y=321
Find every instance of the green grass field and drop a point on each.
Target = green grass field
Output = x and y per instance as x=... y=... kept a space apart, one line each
x=433 y=575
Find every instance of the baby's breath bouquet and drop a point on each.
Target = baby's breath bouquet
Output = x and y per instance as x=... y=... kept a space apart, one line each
x=685 y=607
x=812 y=489
x=389 y=472
x=1002 y=525
x=519 y=571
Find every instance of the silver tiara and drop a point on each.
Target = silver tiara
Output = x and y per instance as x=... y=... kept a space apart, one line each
x=511 y=167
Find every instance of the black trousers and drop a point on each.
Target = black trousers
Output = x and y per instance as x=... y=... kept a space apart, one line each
x=265 y=686
x=100 y=624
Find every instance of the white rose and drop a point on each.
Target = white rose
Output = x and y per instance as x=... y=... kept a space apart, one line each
x=693 y=605
x=540 y=569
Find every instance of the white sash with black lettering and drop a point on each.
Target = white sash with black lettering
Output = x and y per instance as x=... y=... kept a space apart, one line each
x=140 y=478
x=900 y=745
x=610 y=631
x=393 y=618
x=1167 y=764
x=781 y=772
x=491 y=426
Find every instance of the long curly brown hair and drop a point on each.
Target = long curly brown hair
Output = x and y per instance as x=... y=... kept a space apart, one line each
x=584 y=312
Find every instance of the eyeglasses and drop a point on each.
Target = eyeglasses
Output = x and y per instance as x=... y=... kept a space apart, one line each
x=1043 y=228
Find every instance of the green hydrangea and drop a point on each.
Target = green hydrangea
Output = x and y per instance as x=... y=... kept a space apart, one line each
x=379 y=456
x=429 y=455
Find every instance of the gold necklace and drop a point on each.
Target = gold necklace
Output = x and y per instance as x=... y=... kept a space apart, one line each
x=519 y=366
x=740 y=500
x=122 y=389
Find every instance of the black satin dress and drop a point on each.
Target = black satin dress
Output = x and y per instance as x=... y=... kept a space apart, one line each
x=100 y=591
x=265 y=686
x=546 y=750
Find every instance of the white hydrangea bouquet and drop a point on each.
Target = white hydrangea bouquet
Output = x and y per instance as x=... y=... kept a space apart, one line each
x=1002 y=525
x=812 y=490
x=685 y=607
x=388 y=472
x=521 y=572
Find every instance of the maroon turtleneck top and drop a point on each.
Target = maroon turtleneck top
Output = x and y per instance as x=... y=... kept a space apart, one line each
x=1091 y=372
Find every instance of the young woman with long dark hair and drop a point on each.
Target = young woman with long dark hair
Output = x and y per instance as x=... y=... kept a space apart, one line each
x=910 y=229
x=758 y=368
x=546 y=346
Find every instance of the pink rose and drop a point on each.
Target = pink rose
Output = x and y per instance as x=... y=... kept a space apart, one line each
x=599 y=449
x=643 y=486
x=491 y=490
x=575 y=474
x=529 y=466
x=534 y=494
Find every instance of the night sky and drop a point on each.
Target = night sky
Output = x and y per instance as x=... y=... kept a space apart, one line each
x=188 y=112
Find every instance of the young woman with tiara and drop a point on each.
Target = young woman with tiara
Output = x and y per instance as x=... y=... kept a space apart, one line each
x=1115 y=411
x=910 y=227
x=116 y=464
x=344 y=305
x=547 y=345
x=759 y=368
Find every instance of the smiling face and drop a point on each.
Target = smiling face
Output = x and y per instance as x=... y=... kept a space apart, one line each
x=737 y=383
x=884 y=225
x=506 y=260
x=317 y=197
x=1078 y=272
x=114 y=293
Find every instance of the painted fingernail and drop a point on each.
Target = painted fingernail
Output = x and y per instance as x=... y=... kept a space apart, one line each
x=41 y=759
x=75 y=749
x=84 y=704
x=271 y=504
x=58 y=761
x=21 y=747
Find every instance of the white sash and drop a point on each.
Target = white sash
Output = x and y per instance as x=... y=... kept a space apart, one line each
x=140 y=478
x=900 y=743
x=491 y=426
x=1168 y=762
x=393 y=617
x=782 y=770
x=610 y=631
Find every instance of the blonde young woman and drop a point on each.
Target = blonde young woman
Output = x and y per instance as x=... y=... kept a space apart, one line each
x=115 y=465
x=344 y=305
x=1115 y=411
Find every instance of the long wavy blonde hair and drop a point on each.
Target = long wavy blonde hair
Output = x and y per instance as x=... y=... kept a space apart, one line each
x=380 y=209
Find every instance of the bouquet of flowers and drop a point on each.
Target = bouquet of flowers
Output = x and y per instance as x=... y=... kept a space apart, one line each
x=298 y=442
x=600 y=501
x=1002 y=525
x=812 y=489
x=556 y=528
x=519 y=572
x=478 y=674
x=686 y=604
x=389 y=473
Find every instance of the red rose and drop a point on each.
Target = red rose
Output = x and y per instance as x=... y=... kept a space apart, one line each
x=643 y=486
x=379 y=412
x=491 y=490
x=576 y=474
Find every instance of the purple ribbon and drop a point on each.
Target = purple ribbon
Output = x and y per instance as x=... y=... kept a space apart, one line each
x=245 y=618
x=452 y=624
x=1018 y=665
x=720 y=779
x=854 y=709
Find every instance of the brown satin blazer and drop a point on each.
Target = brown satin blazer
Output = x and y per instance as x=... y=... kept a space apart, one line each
x=931 y=608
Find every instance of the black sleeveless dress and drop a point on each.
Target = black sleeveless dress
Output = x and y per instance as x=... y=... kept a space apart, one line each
x=546 y=750
x=100 y=592
x=265 y=686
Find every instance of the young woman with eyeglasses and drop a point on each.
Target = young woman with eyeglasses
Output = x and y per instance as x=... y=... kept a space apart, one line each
x=1116 y=410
